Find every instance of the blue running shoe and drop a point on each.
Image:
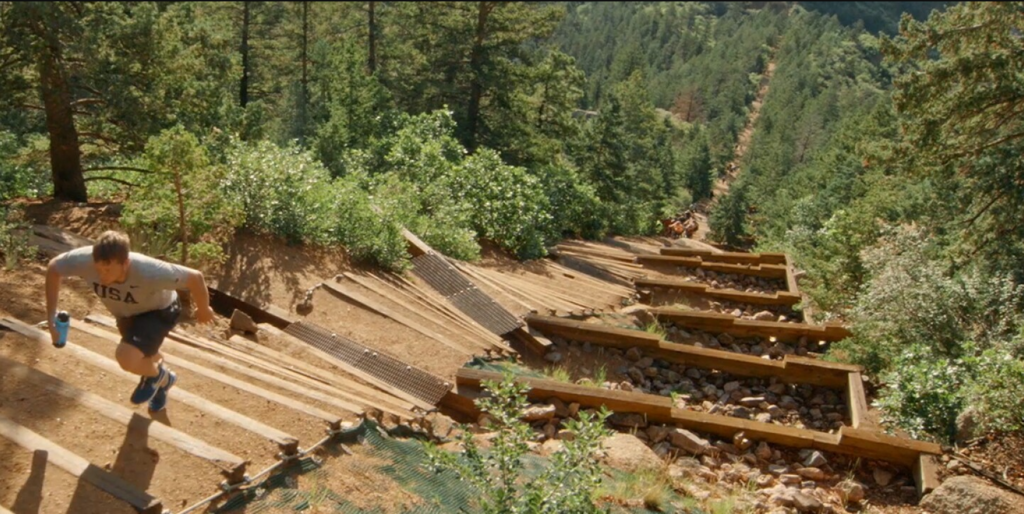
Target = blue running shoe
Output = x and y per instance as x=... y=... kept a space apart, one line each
x=148 y=387
x=159 y=401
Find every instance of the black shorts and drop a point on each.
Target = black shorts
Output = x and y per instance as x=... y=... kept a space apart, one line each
x=147 y=331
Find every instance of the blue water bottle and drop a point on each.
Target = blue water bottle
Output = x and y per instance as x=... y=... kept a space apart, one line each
x=62 y=322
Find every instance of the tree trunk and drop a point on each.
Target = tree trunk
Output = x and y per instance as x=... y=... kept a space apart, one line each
x=243 y=93
x=182 y=221
x=476 y=87
x=65 y=154
x=305 y=73
x=372 y=61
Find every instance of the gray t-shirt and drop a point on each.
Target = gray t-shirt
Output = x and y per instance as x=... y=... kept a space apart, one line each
x=149 y=286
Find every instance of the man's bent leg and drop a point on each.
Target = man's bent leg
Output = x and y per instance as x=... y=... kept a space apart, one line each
x=134 y=361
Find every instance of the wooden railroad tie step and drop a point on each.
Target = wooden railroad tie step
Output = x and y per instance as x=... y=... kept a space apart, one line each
x=79 y=467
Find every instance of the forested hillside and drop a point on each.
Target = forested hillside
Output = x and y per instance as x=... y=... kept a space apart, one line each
x=885 y=161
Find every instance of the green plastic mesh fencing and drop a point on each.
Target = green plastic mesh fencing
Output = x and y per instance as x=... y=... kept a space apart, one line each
x=402 y=460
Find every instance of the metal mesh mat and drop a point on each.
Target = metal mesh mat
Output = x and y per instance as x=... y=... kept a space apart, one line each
x=447 y=280
x=381 y=366
x=402 y=461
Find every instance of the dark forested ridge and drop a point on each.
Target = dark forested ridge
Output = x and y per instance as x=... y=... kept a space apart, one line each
x=885 y=158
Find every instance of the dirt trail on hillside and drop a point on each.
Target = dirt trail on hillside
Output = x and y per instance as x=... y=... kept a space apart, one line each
x=721 y=186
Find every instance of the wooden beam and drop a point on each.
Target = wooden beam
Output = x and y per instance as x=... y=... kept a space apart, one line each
x=286 y=442
x=528 y=304
x=867 y=443
x=716 y=322
x=416 y=246
x=588 y=268
x=438 y=307
x=778 y=298
x=358 y=373
x=230 y=465
x=857 y=402
x=423 y=317
x=791 y=285
x=348 y=294
x=368 y=395
x=593 y=283
x=926 y=474
x=79 y=467
x=726 y=257
x=61 y=236
x=218 y=376
x=791 y=369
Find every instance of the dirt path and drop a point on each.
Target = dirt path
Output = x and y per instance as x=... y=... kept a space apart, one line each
x=721 y=186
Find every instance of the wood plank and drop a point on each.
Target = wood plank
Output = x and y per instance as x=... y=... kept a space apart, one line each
x=655 y=407
x=358 y=373
x=528 y=304
x=595 y=283
x=619 y=256
x=713 y=321
x=583 y=266
x=229 y=464
x=379 y=398
x=857 y=402
x=440 y=311
x=926 y=474
x=348 y=294
x=791 y=369
x=533 y=296
x=779 y=298
x=423 y=317
x=282 y=439
x=416 y=246
x=218 y=376
x=876 y=445
x=79 y=467
x=553 y=295
x=791 y=285
x=867 y=443
x=61 y=236
x=373 y=397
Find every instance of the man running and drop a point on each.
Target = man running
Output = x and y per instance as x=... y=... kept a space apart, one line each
x=140 y=292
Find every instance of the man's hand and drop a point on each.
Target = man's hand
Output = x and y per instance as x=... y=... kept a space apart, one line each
x=204 y=314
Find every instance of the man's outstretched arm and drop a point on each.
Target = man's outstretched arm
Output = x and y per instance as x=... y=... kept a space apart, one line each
x=200 y=296
x=53 y=279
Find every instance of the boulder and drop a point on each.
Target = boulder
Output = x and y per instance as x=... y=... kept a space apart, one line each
x=971 y=495
x=815 y=460
x=539 y=412
x=241 y=322
x=805 y=502
x=626 y=452
x=628 y=420
x=850 y=491
x=682 y=438
x=882 y=476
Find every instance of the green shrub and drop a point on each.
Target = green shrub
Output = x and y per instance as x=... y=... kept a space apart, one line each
x=567 y=485
x=941 y=341
x=20 y=175
x=996 y=374
x=14 y=236
x=153 y=208
x=924 y=393
x=912 y=297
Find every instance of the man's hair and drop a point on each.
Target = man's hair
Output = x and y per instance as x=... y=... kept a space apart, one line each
x=113 y=246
